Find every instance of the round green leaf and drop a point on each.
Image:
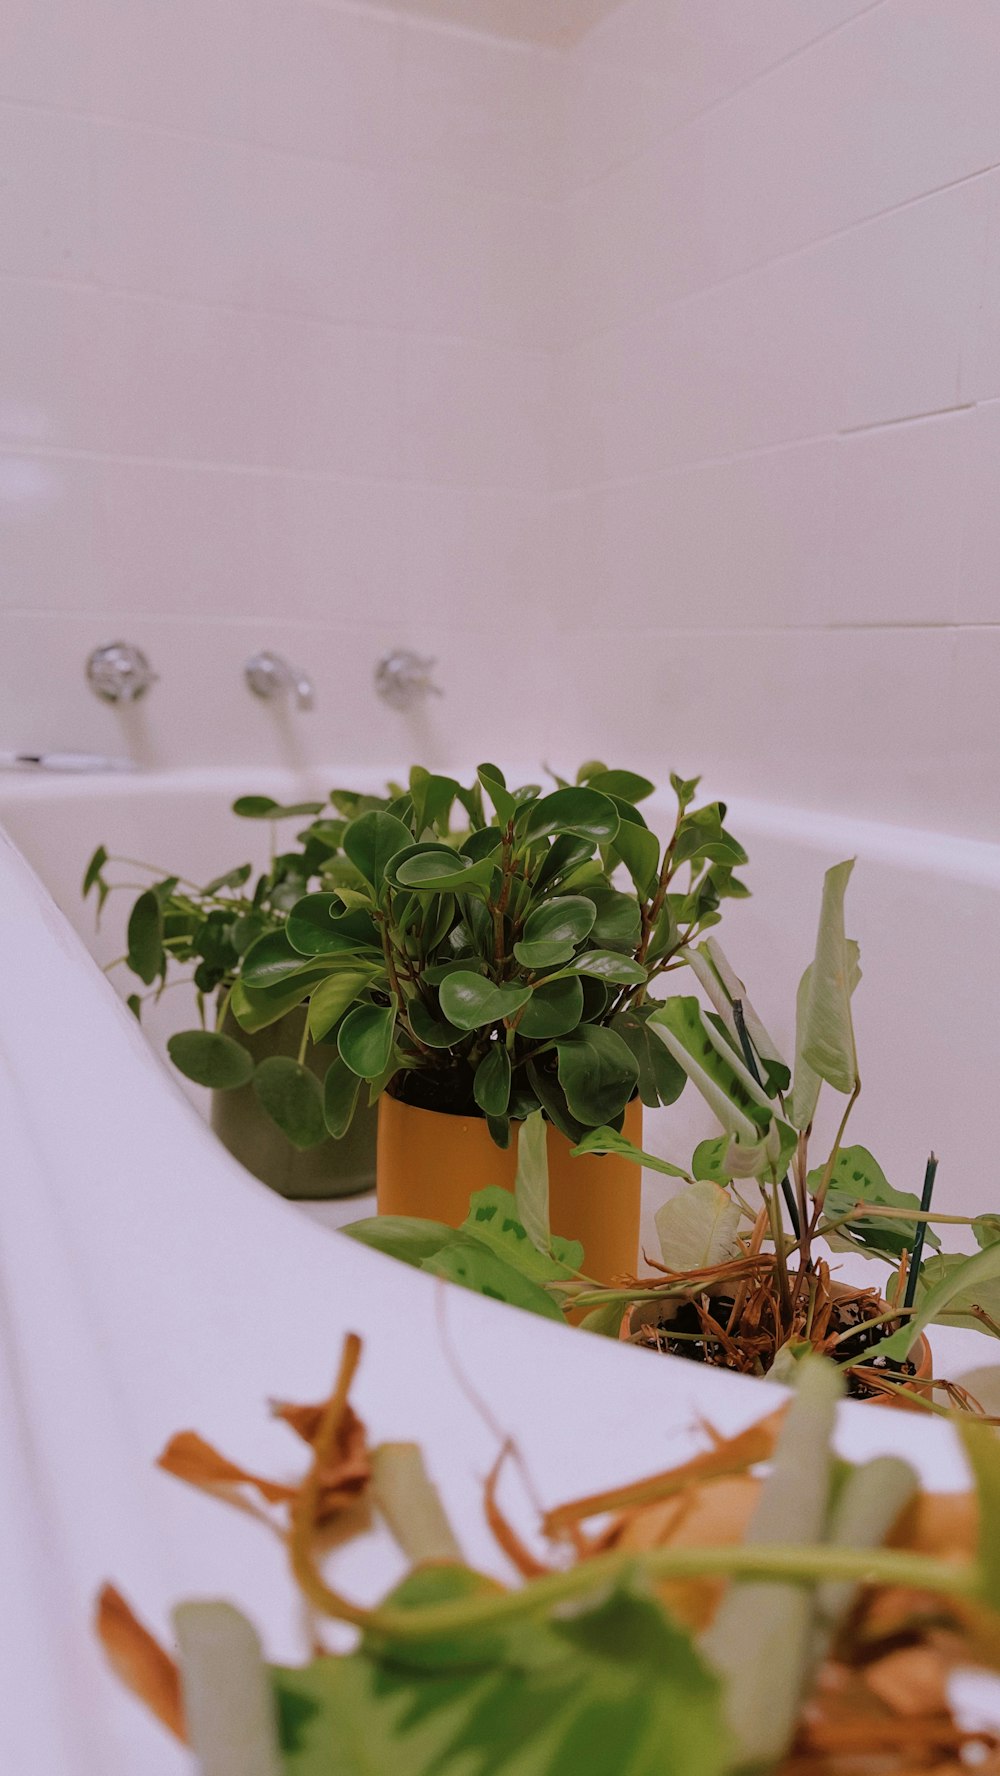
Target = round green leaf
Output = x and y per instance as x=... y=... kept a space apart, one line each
x=266 y=808
x=340 y=1096
x=437 y=868
x=470 y=1000
x=292 y=1098
x=272 y=962
x=598 y=1073
x=318 y=926
x=554 y=929
x=433 y=1031
x=556 y=1007
x=564 y=855
x=617 y=926
x=145 y=938
x=584 y=812
x=330 y=998
x=365 y=1039
x=491 y=1085
x=626 y=784
x=372 y=839
x=495 y=784
x=211 y=1059
x=609 y=965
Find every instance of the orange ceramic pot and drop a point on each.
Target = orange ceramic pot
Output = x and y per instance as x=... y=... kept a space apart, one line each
x=429 y=1165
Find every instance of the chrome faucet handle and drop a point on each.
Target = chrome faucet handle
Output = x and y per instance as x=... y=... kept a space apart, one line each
x=403 y=679
x=269 y=675
x=118 y=672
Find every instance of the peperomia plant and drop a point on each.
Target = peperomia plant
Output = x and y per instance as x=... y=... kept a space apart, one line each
x=744 y=1283
x=505 y=967
x=181 y=932
x=479 y=949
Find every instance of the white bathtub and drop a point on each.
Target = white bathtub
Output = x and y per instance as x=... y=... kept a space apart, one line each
x=148 y=1283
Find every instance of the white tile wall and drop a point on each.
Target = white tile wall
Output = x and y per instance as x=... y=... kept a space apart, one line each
x=673 y=356
x=782 y=307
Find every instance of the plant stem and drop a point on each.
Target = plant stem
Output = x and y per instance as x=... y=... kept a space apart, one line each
x=752 y=1068
x=913 y=1274
x=802 y=1565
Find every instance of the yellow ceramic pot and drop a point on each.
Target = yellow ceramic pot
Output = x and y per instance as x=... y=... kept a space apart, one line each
x=429 y=1165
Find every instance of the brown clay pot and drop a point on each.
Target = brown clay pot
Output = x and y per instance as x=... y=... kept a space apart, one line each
x=429 y=1165
x=649 y=1313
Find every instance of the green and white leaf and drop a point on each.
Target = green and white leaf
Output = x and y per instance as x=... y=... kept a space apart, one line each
x=730 y=1091
x=698 y=1227
x=763 y=1640
x=825 y=1038
x=953 y=1286
x=531 y=1184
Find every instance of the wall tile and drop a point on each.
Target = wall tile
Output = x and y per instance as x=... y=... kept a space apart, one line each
x=41 y=64
x=329 y=240
x=450 y=387
x=185 y=64
x=979 y=379
x=176 y=216
x=331 y=549
x=703 y=49
x=47 y=377
x=479 y=112
x=179 y=542
x=475 y=556
x=908 y=288
x=176 y=381
x=481 y=267
x=898 y=521
x=45 y=208
x=327 y=398
x=978 y=593
x=901 y=103
x=739 y=543
x=328 y=81
x=967 y=727
x=49 y=528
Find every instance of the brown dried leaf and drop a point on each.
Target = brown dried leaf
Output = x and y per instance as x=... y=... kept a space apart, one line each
x=503 y=1530
x=728 y=1455
x=139 y=1661
x=912 y=1681
x=343 y=1479
x=188 y=1457
x=714 y=1514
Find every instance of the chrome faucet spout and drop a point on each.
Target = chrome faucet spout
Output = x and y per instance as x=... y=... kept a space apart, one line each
x=269 y=676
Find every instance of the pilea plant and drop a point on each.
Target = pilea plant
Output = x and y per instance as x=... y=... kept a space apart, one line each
x=504 y=967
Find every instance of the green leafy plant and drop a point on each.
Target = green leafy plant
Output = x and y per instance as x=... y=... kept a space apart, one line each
x=744 y=1283
x=494 y=969
x=503 y=967
x=182 y=933
x=582 y=1670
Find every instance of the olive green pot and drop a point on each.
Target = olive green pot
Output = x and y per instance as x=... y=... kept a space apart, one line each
x=334 y=1168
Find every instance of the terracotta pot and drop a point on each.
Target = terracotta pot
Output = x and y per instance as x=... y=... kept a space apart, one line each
x=648 y=1313
x=429 y=1165
x=319 y=1174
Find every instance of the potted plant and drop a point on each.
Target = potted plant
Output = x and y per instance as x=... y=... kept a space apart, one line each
x=743 y=1282
x=259 y=1050
x=858 y=1597
x=475 y=977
